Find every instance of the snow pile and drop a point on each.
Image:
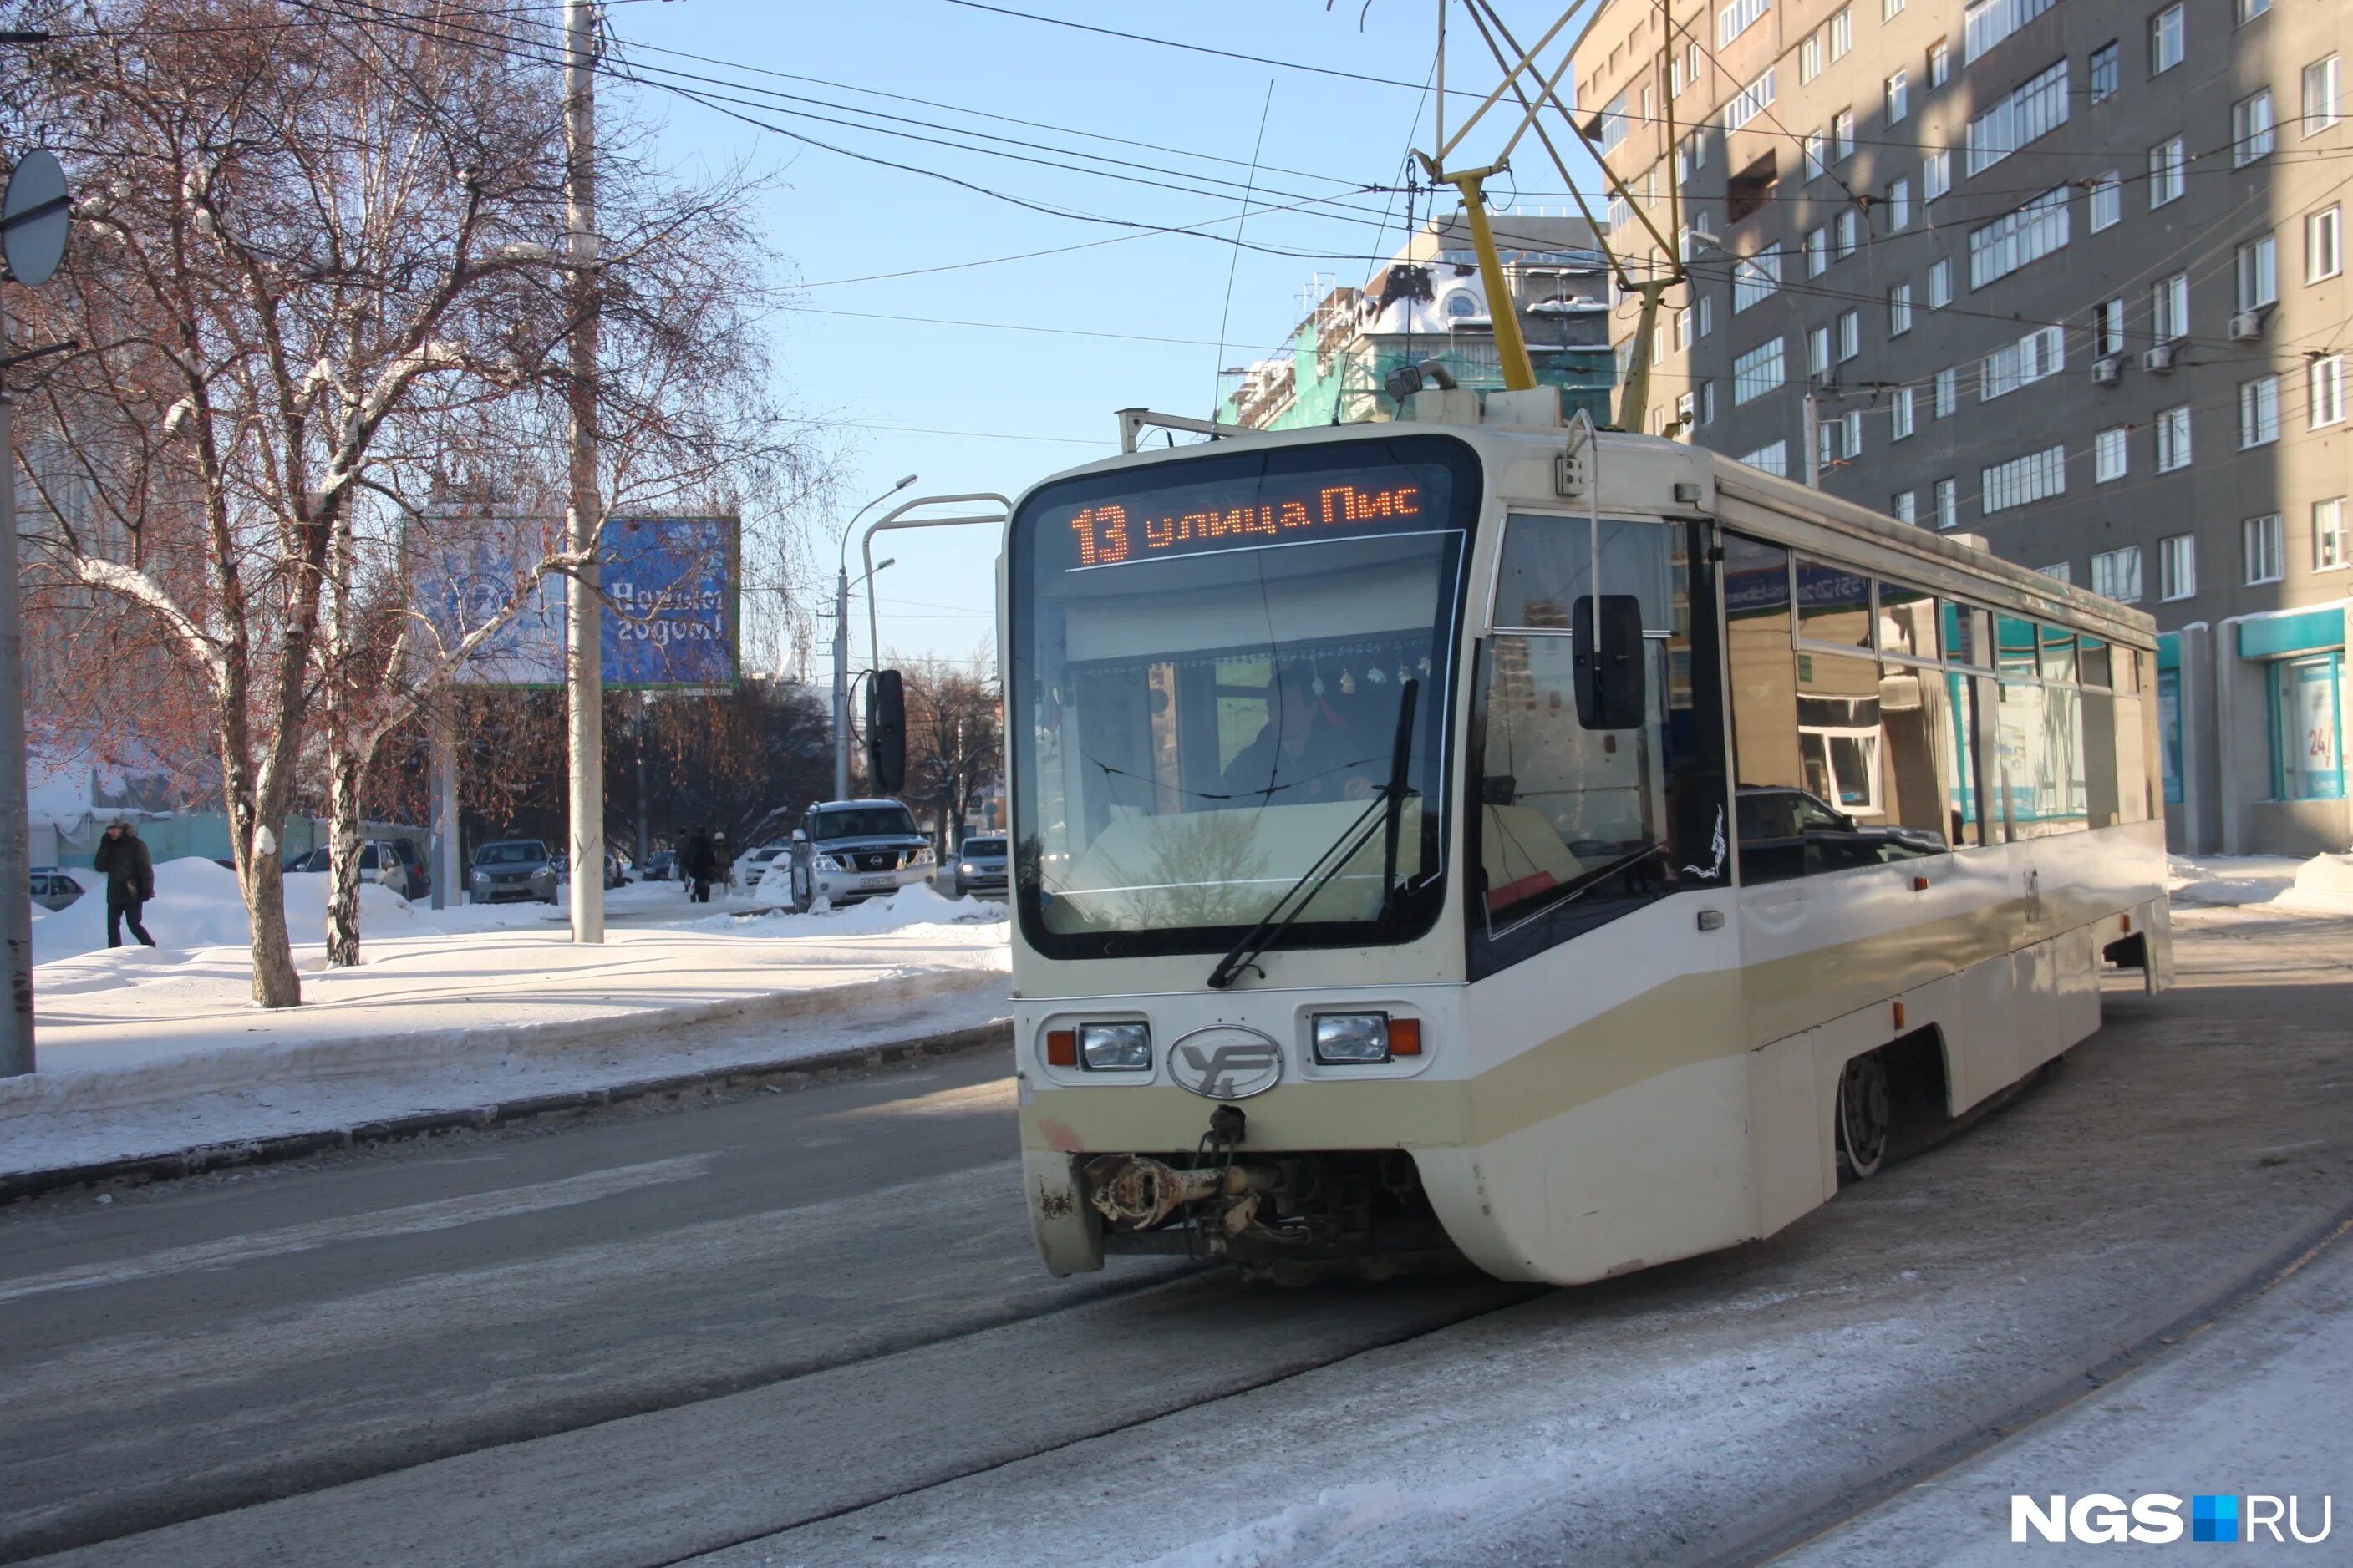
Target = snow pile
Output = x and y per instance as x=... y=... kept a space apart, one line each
x=909 y=910
x=2320 y=886
x=2324 y=886
x=197 y=905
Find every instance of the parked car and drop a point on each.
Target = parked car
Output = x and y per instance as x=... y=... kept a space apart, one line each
x=53 y=889
x=661 y=866
x=1786 y=833
x=980 y=865
x=394 y=862
x=513 y=868
x=754 y=864
x=848 y=850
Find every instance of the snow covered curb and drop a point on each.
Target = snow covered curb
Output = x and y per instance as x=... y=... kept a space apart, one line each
x=153 y=1082
x=789 y=1072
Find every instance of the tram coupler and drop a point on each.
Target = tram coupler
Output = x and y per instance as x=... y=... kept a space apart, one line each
x=1137 y=1192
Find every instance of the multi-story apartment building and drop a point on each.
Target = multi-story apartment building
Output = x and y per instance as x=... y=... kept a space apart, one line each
x=1429 y=307
x=2068 y=275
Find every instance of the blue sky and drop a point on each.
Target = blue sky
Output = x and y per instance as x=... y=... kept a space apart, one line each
x=1138 y=321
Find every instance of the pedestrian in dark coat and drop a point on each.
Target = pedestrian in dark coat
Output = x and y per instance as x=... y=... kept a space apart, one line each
x=699 y=862
x=122 y=859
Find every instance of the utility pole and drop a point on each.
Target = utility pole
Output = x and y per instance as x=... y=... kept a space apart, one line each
x=841 y=642
x=1813 y=434
x=584 y=671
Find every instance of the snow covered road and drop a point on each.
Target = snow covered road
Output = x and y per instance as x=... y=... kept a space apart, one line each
x=807 y=1329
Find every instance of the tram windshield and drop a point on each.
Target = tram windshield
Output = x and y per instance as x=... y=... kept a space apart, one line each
x=1207 y=666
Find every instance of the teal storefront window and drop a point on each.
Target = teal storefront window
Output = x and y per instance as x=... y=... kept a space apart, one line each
x=2308 y=727
x=2169 y=730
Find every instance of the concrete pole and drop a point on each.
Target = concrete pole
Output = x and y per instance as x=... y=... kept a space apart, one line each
x=448 y=874
x=584 y=673
x=16 y=874
x=1813 y=434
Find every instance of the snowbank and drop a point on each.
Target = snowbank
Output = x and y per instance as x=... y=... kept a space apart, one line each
x=2324 y=886
x=197 y=905
x=2320 y=886
x=910 y=907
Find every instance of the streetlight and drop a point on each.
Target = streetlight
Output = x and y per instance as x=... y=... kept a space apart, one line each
x=842 y=643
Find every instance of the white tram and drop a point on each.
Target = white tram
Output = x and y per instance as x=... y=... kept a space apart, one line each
x=1582 y=851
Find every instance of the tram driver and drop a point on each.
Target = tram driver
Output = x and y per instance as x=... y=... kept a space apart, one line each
x=1306 y=752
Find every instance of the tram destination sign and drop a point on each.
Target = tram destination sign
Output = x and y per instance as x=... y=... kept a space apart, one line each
x=1167 y=521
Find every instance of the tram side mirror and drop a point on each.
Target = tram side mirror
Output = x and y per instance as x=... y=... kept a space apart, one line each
x=886 y=732
x=1608 y=661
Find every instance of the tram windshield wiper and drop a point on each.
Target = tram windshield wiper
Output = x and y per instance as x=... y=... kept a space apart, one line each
x=1388 y=806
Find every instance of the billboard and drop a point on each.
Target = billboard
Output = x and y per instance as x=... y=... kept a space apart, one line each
x=671 y=589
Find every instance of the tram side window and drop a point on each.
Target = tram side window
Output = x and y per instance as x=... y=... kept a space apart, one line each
x=1577 y=826
x=1769 y=771
x=1833 y=604
x=2041 y=752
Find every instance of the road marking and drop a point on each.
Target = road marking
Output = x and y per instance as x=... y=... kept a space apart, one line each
x=410 y=1219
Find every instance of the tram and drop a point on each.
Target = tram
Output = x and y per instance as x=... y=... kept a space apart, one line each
x=1574 y=850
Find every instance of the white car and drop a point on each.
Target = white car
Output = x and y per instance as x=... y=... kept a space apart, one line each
x=754 y=865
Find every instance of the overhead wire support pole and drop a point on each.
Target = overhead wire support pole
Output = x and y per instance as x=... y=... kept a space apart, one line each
x=842 y=643
x=583 y=672
x=897 y=518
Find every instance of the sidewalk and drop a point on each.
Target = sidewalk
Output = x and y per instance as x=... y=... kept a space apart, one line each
x=150 y=1051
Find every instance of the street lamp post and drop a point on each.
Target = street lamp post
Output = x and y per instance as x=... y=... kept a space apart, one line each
x=842 y=643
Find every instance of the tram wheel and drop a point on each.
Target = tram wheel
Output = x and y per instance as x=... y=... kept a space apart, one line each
x=1862 y=1116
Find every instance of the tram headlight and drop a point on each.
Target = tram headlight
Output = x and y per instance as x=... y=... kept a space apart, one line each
x=1352 y=1039
x=1115 y=1047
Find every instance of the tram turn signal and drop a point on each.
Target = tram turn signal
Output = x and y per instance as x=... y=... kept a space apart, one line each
x=1364 y=1039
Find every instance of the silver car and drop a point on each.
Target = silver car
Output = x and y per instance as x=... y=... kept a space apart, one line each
x=511 y=868
x=847 y=850
x=53 y=890
x=980 y=865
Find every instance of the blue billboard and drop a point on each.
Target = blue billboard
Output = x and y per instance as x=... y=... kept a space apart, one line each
x=669 y=586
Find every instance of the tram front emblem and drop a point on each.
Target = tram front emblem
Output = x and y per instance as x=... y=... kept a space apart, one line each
x=1226 y=1061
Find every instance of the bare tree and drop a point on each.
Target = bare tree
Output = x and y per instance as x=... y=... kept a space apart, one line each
x=317 y=262
x=954 y=738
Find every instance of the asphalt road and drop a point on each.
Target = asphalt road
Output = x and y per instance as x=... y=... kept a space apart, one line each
x=808 y=1327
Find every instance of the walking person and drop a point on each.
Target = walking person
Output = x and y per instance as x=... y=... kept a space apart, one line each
x=122 y=859
x=699 y=861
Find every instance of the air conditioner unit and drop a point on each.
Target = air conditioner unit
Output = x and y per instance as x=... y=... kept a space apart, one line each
x=2159 y=358
x=2247 y=326
x=2109 y=371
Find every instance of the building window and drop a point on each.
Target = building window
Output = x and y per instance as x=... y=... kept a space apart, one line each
x=1773 y=460
x=2328 y=391
x=2177 y=567
x=2107 y=328
x=2110 y=456
x=2023 y=480
x=1610 y=129
x=2173 y=439
x=2258 y=412
x=1818 y=353
x=1899 y=205
x=2260 y=547
x=2103 y=73
x=1622 y=214
x=1814 y=145
x=1986 y=23
x=1737 y=18
x=2324 y=249
x=2250 y=128
x=1940 y=64
x=2311 y=728
x=1810 y=58
x=1899 y=97
x=1818 y=252
x=1707 y=403
x=1849 y=326
x=2166 y=164
x=1849 y=233
x=2040 y=353
x=1692 y=154
x=1936 y=174
x=2328 y=534
x=1899 y=310
x=2107 y=200
x=1890 y=9
x=1948 y=504
x=1755 y=278
x=1904 y=507
x=2028 y=112
x=2258 y=273
x=2168 y=307
x=1842 y=34
x=1853 y=423
x=1749 y=102
x=1940 y=283
x=2018 y=237
x=1705 y=306
x=2165 y=40
x=2115 y=575
x=2248 y=10
x=1683 y=319
x=1947 y=391
x=1842 y=135
x=1687 y=410
x=1900 y=417
x=1756 y=373
x=2058 y=571
x=2320 y=97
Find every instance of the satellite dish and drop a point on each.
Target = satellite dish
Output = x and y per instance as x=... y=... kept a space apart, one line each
x=32 y=217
